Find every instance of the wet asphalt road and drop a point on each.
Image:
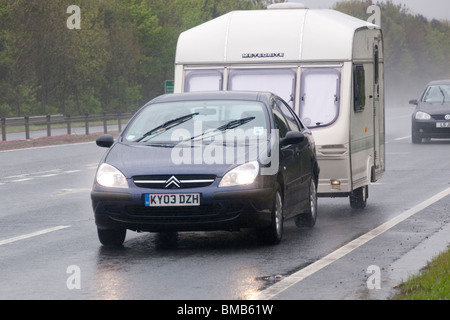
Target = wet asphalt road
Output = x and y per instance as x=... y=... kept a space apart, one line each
x=49 y=247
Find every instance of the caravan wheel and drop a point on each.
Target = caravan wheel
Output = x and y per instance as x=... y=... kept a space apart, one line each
x=358 y=198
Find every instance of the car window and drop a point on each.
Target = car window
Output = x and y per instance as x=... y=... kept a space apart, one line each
x=279 y=121
x=289 y=116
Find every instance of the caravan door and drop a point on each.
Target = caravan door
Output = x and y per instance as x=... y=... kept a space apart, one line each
x=378 y=118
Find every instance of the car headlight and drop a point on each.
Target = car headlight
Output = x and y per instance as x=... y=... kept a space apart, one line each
x=422 y=116
x=242 y=175
x=108 y=176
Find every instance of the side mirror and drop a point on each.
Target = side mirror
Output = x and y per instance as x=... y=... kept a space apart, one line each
x=414 y=102
x=105 y=141
x=292 y=137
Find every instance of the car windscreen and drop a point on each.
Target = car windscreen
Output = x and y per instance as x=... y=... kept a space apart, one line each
x=212 y=120
x=437 y=93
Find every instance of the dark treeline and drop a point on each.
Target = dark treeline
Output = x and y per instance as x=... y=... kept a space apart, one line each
x=125 y=49
x=117 y=60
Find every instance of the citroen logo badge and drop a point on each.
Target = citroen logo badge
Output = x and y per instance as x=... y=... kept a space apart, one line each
x=172 y=182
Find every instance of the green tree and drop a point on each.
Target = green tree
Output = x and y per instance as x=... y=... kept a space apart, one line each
x=416 y=50
x=116 y=61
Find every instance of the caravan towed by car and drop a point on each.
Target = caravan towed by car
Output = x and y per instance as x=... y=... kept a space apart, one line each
x=327 y=65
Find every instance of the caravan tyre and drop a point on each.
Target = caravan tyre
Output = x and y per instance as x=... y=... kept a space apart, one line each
x=358 y=198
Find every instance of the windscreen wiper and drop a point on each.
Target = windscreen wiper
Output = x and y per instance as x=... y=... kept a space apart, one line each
x=167 y=125
x=235 y=123
x=230 y=125
x=443 y=94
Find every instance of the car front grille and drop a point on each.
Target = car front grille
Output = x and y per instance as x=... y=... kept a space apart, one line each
x=203 y=210
x=174 y=182
x=439 y=117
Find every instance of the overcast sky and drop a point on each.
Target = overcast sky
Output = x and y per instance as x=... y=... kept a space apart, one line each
x=438 y=9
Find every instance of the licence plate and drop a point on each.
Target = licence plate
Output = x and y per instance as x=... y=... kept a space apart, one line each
x=442 y=124
x=172 y=200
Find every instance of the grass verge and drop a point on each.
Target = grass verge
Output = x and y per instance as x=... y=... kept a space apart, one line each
x=432 y=282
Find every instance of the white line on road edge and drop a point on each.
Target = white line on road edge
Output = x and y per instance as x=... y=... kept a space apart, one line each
x=298 y=276
x=33 y=234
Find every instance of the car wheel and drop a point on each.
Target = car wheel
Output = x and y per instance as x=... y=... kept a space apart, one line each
x=274 y=233
x=416 y=138
x=308 y=219
x=111 y=237
x=358 y=198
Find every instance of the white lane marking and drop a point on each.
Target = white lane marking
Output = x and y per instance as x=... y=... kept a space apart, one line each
x=298 y=276
x=71 y=171
x=37 y=175
x=22 y=180
x=33 y=173
x=33 y=234
x=402 y=138
x=47 y=175
x=53 y=146
x=70 y=191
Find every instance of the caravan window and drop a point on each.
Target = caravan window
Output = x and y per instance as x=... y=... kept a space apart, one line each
x=359 y=88
x=203 y=80
x=319 y=96
x=278 y=81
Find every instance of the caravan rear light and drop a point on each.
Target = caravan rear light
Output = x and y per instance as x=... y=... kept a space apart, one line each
x=335 y=184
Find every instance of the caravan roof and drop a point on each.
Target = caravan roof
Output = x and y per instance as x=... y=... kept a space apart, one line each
x=274 y=35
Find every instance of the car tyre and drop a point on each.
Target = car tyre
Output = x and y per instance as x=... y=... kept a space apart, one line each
x=273 y=234
x=308 y=219
x=415 y=138
x=358 y=198
x=111 y=237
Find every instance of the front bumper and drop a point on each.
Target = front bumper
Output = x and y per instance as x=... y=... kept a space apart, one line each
x=218 y=210
x=429 y=129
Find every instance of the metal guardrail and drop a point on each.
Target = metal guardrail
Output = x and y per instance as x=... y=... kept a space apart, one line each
x=49 y=120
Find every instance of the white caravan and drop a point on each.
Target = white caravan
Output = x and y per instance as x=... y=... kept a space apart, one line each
x=327 y=65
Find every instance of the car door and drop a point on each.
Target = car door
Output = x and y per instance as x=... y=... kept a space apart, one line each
x=302 y=160
x=289 y=161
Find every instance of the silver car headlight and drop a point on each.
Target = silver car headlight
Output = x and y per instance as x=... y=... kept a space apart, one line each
x=109 y=176
x=242 y=175
x=420 y=115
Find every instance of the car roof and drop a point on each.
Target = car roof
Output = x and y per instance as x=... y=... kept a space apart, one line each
x=437 y=82
x=214 y=95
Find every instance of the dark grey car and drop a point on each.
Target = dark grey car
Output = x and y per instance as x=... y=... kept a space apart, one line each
x=431 y=117
x=207 y=161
